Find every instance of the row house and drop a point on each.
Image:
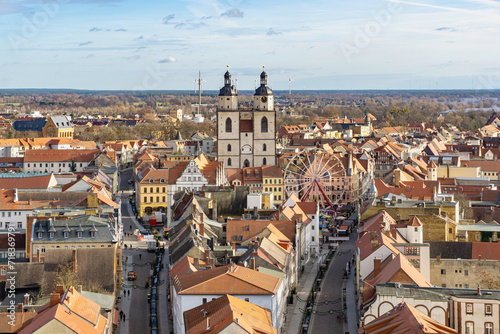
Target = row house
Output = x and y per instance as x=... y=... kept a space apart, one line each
x=198 y=288
x=58 y=161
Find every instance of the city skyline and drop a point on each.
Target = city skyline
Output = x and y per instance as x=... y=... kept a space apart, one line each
x=125 y=45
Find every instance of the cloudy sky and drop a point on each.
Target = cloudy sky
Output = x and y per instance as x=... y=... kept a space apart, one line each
x=319 y=44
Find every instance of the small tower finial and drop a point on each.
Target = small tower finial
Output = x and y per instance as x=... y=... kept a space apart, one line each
x=263 y=68
x=227 y=67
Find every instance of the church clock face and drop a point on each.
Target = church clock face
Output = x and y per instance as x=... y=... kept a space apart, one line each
x=263 y=99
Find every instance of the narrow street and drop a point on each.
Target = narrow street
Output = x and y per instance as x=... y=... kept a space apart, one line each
x=330 y=300
x=137 y=258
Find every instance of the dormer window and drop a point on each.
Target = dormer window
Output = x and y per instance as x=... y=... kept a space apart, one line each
x=40 y=234
x=66 y=235
x=162 y=180
x=51 y=235
x=80 y=235
x=92 y=234
x=151 y=180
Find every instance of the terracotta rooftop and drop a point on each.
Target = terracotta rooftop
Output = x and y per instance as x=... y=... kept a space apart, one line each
x=231 y=279
x=404 y=318
x=73 y=311
x=214 y=316
x=30 y=182
x=59 y=155
x=249 y=228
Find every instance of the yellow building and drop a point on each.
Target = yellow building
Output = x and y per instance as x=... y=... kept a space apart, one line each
x=273 y=182
x=58 y=126
x=152 y=191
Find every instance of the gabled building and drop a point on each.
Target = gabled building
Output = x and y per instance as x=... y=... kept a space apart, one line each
x=58 y=161
x=69 y=312
x=404 y=318
x=228 y=314
x=195 y=289
x=58 y=126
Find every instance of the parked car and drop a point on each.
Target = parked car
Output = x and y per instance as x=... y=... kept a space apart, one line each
x=132 y=276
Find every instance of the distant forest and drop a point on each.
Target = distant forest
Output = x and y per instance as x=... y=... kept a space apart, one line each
x=466 y=109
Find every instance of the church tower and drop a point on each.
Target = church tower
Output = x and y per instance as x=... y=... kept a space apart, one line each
x=246 y=137
x=228 y=125
x=264 y=118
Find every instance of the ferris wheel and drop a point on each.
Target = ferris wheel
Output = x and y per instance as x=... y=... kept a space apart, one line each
x=317 y=176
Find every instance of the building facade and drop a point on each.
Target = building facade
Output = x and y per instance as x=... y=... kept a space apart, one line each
x=246 y=138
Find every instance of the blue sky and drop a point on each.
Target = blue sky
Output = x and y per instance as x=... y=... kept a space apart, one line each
x=319 y=44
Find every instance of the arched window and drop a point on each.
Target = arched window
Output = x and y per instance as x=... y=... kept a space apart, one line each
x=229 y=161
x=263 y=124
x=229 y=147
x=229 y=125
x=246 y=163
x=264 y=161
x=264 y=147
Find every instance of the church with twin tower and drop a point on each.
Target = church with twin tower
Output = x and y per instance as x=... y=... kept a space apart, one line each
x=246 y=137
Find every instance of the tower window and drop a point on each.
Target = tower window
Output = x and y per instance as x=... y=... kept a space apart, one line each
x=246 y=163
x=263 y=124
x=229 y=161
x=264 y=147
x=229 y=125
x=264 y=161
x=229 y=147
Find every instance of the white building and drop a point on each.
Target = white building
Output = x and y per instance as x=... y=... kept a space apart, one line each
x=194 y=289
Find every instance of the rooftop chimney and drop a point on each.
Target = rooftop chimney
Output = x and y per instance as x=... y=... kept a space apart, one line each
x=202 y=229
x=252 y=263
x=478 y=290
x=20 y=307
x=26 y=299
x=377 y=267
x=16 y=197
x=54 y=299
x=201 y=217
x=59 y=289
x=207 y=255
x=79 y=288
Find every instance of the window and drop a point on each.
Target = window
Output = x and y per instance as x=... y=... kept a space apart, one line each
x=443 y=271
x=145 y=190
x=264 y=147
x=51 y=235
x=157 y=199
x=469 y=327
x=204 y=300
x=488 y=309
x=246 y=163
x=229 y=162
x=145 y=199
x=19 y=225
x=247 y=299
x=36 y=250
x=40 y=235
x=468 y=308
x=488 y=328
x=229 y=125
x=4 y=272
x=163 y=199
x=312 y=239
x=43 y=249
x=151 y=199
x=157 y=189
x=229 y=147
x=478 y=236
x=263 y=125
x=264 y=161
x=66 y=234
x=466 y=272
x=163 y=189
x=79 y=234
x=235 y=238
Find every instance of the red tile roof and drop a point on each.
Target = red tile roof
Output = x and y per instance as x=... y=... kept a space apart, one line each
x=59 y=155
x=30 y=182
x=403 y=319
